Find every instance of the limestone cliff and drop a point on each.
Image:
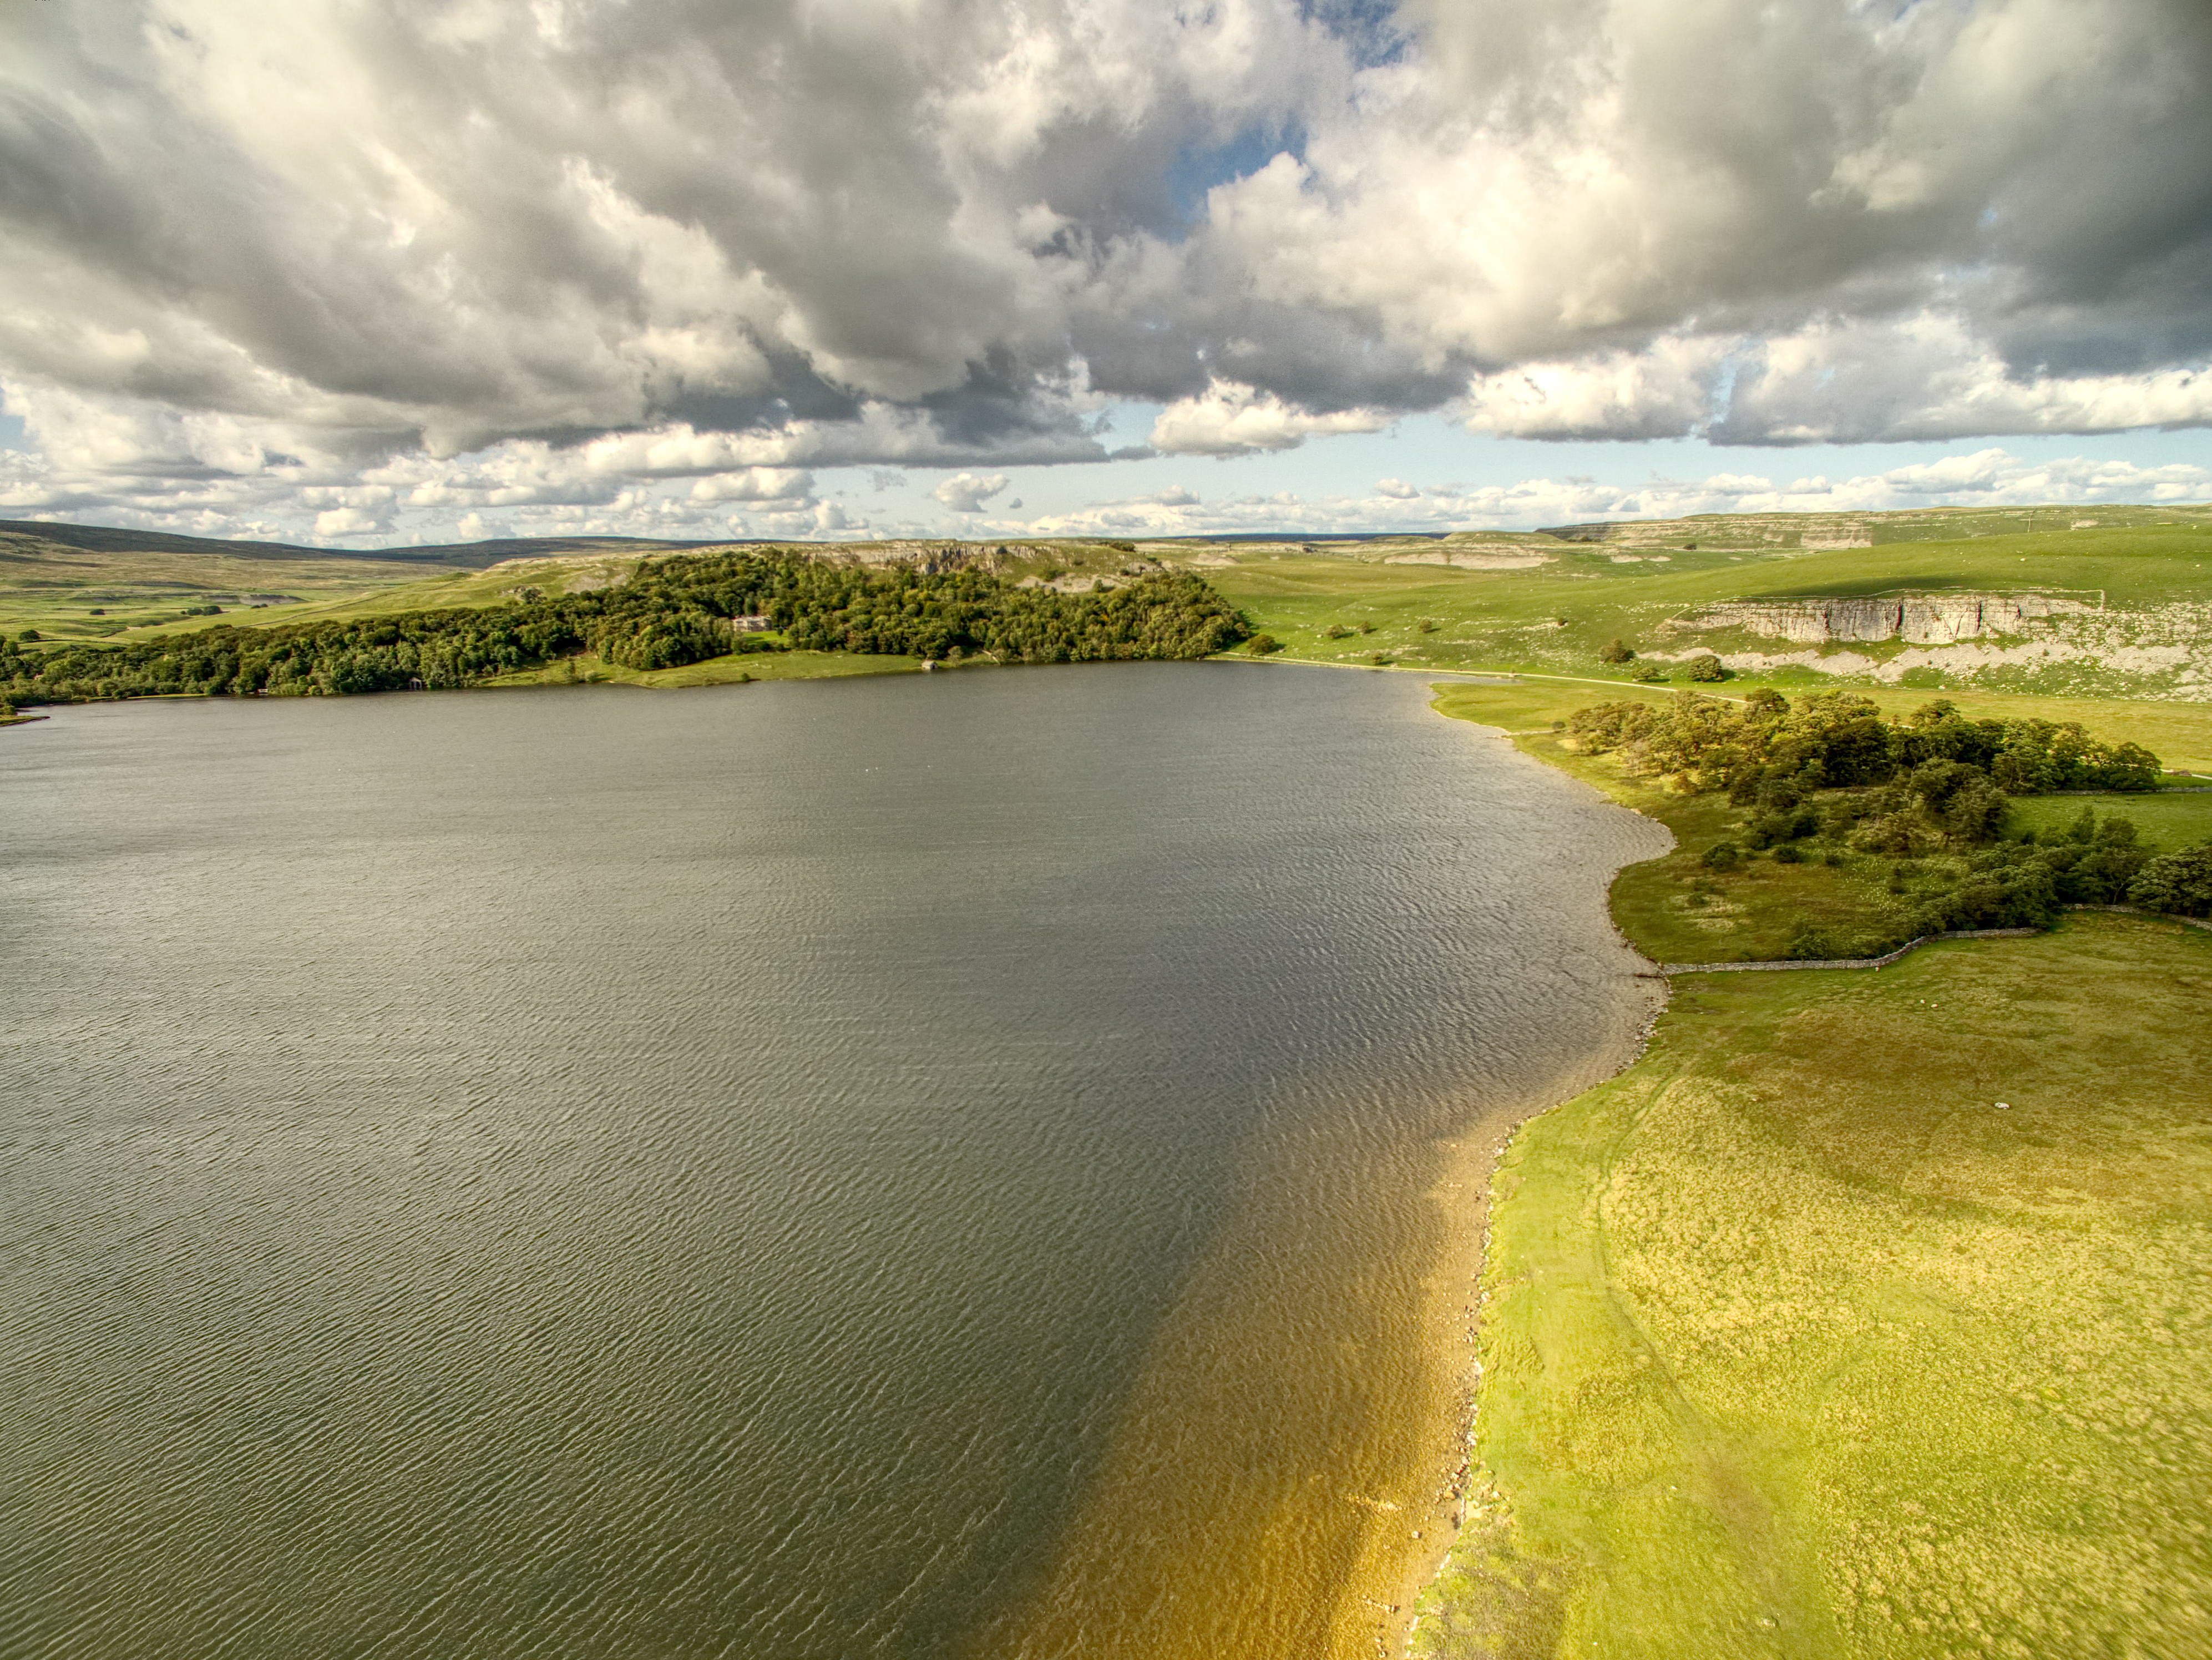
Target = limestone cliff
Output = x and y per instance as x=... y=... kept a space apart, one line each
x=1922 y=619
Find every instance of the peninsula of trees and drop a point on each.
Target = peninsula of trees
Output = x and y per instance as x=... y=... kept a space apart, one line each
x=672 y=612
x=1828 y=780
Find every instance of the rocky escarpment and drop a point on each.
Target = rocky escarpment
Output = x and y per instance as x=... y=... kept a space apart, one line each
x=1926 y=620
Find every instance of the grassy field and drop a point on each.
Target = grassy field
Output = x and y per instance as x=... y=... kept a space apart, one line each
x=2166 y=822
x=79 y=582
x=1796 y=1344
x=76 y=593
x=1558 y=615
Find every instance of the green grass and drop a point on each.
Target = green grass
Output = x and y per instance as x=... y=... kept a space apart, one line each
x=1558 y=617
x=2166 y=822
x=1795 y=1345
x=54 y=578
x=55 y=589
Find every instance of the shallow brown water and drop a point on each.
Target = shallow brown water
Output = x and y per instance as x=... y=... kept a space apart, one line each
x=902 y=1168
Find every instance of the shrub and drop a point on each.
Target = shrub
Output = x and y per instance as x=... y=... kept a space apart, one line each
x=1649 y=674
x=1616 y=652
x=1336 y=631
x=1428 y=625
x=1766 y=829
x=1788 y=854
x=28 y=636
x=1706 y=668
x=1901 y=834
x=1808 y=944
x=1721 y=855
x=2006 y=887
x=1260 y=645
x=2179 y=884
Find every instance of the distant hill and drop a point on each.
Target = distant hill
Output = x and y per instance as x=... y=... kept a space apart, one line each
x=473 y=555
x=1824 y=531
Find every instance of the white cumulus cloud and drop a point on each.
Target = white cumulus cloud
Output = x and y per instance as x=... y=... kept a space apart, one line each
x=965 y=492
x=1229 y=419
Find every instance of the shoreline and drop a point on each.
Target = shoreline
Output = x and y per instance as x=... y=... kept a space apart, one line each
x=1491 y=1575
x=1463 y=1191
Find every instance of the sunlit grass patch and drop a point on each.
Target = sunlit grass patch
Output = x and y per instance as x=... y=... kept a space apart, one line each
x=1797 y=1342
x=2166 y=822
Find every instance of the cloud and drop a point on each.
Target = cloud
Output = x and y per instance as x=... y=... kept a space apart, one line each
x=1229 y=419
x=1920 y=378
x=755 y=485
x=338 y=523
x=964 y=492
x=1988 y=478
x=1397 y=489
x=255 y=245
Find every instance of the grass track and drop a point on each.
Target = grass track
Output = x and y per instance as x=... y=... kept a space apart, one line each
x=1793 y=1345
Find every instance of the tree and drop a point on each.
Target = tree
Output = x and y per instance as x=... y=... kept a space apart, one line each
x=2179 y=883
x=1707 y=668
x=1260 y=645
x=1617 y=651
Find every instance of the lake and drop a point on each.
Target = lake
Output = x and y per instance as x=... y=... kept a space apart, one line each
x=929 y=1166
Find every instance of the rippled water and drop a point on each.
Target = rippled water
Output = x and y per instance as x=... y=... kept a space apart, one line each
x=916 y=1167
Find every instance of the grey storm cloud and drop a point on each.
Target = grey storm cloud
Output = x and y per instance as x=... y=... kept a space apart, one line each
x=301 y=239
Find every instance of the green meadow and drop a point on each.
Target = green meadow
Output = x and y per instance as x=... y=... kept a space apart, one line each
x=1796 y=1343
x=2166 y=822
x=74 y=582
x=1558 y=610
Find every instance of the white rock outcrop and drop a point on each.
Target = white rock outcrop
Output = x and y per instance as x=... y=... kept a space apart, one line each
x=1925 y=620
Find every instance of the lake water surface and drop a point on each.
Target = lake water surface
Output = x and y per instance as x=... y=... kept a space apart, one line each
x=908 y=1167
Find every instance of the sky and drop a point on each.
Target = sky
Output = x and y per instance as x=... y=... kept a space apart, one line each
x=369 y=272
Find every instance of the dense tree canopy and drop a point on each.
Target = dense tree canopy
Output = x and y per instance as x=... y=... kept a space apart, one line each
x=1935 y=786
x=1764 y=745
x=672 y=612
